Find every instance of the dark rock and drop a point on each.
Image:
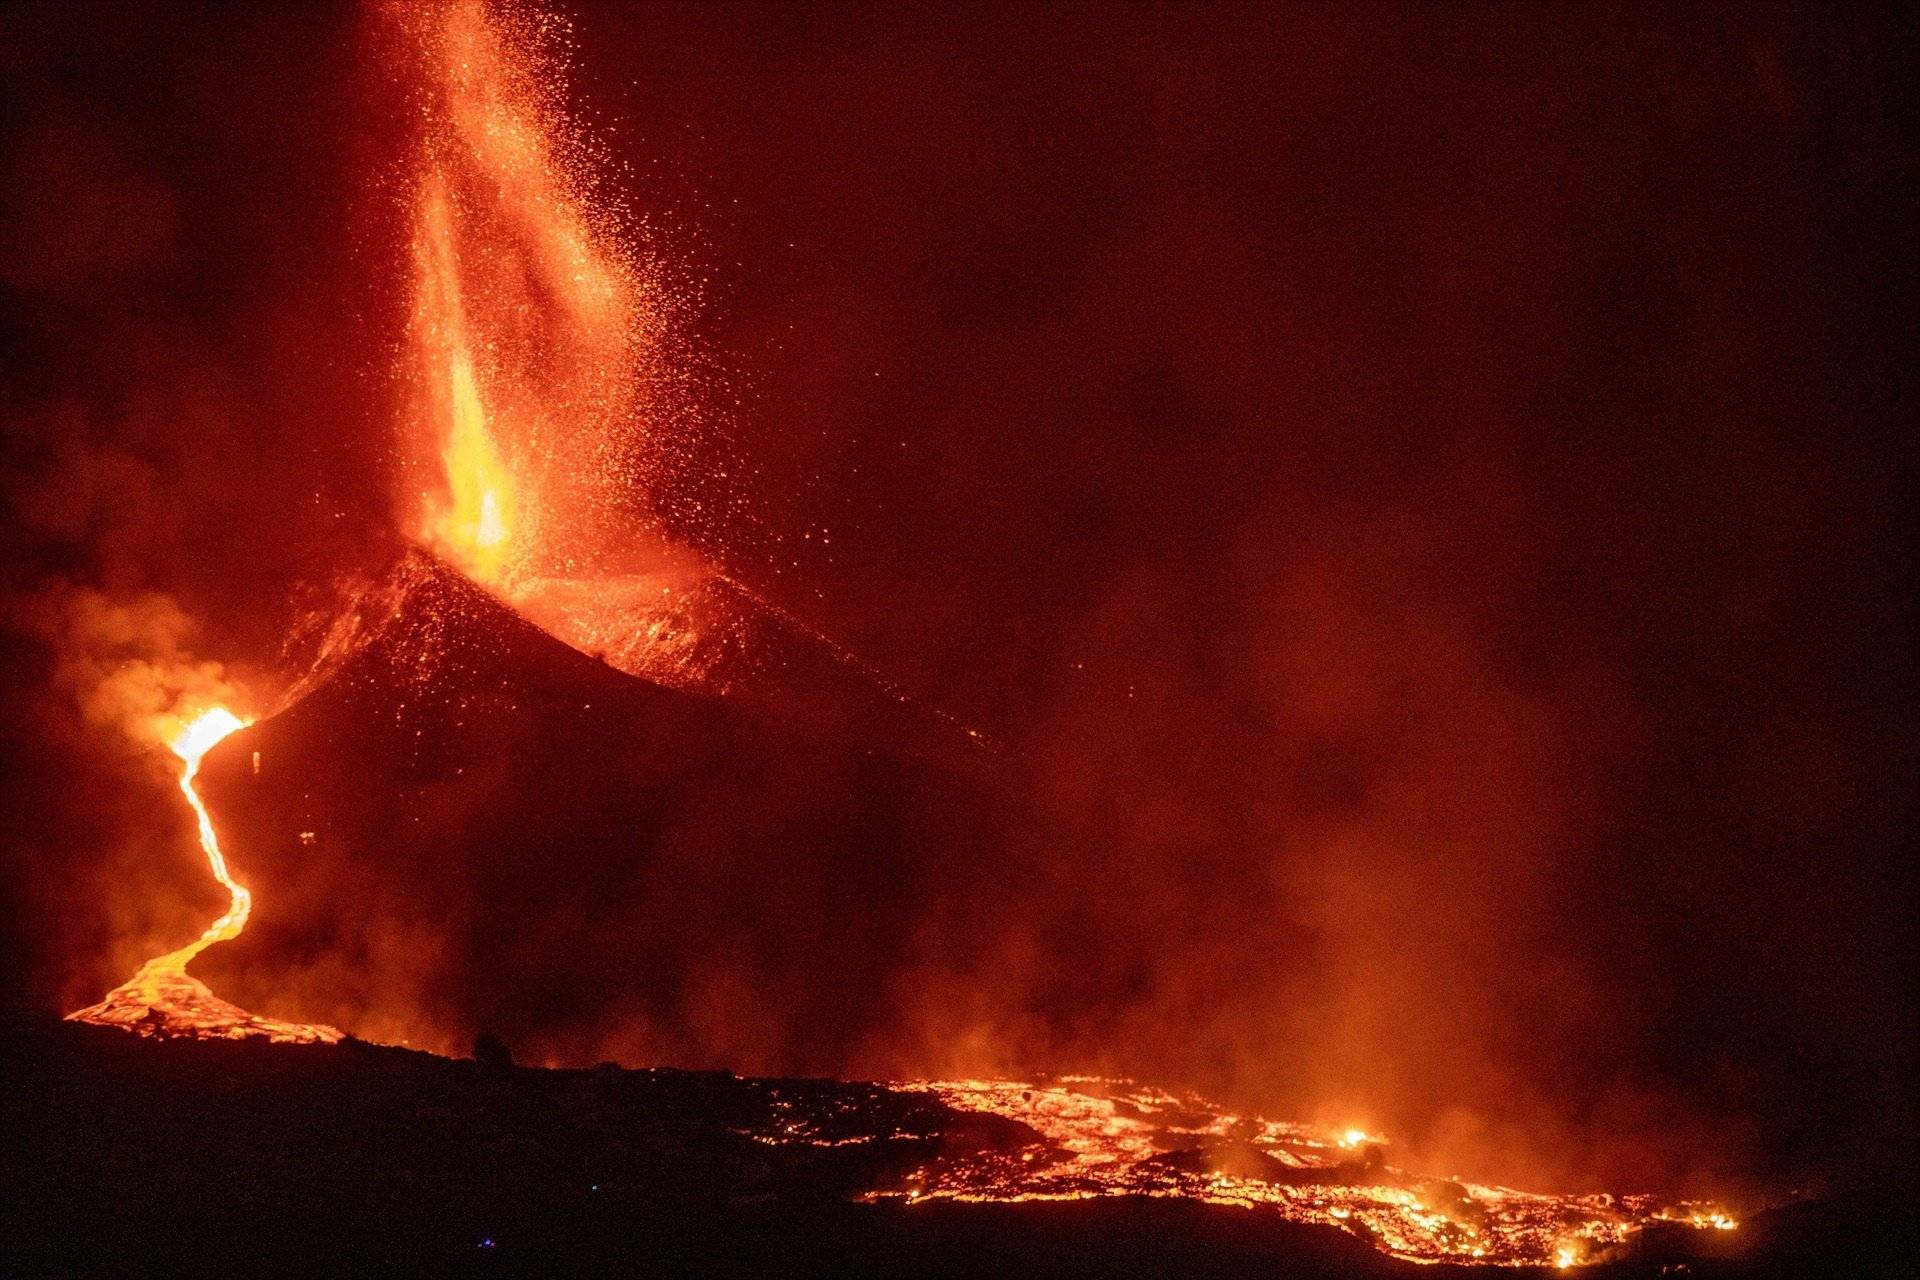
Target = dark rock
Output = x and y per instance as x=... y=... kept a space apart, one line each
x=490 y=1051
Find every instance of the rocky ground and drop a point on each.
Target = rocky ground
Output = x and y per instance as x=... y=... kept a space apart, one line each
x=126 y=1156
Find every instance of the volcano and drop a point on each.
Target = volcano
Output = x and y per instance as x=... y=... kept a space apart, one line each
x=1380 y=476
x=465 y=824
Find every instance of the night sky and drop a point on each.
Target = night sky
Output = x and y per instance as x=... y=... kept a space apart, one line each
x=1411 y=490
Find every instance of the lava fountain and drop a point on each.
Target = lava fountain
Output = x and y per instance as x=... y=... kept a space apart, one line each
x=162 y=998
x=537 y=345
x=531 y=322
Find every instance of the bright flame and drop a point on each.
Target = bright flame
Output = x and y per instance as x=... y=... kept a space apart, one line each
x=538 y=352
x=473 y=523
x=529 y=321
x=162 y=998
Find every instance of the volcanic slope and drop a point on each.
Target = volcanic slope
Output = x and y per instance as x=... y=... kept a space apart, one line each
x=466 y=825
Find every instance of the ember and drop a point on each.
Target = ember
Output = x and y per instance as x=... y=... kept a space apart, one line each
x=532 y=327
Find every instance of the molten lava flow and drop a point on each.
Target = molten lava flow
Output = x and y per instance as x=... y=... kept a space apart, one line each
x=1096 y=1137
x=162 y=998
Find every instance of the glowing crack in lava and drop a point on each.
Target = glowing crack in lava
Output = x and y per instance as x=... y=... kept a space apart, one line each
x=163 y=999
x=1117 y=1138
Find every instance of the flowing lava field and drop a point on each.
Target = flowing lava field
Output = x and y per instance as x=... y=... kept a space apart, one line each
x=1110 y=1137
x=180 y=1154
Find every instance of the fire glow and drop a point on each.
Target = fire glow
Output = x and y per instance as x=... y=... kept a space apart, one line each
x=1117 y=1138
x=527 y=328
x=529 y=316
x=162 y=998
x=473 y=521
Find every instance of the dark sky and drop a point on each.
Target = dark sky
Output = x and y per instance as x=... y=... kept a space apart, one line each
x=1412 y=487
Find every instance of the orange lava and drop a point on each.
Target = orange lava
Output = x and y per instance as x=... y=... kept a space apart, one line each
x=163 y=999
x=1101 y=1137
x=534 y=342
x=527 y=351
x=530 y=324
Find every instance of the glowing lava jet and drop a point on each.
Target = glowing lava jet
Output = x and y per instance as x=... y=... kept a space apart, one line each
x=531 y=322
x=537 y=343
x=163 y=999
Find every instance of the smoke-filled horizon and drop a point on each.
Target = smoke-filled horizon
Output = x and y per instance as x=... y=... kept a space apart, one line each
x=1412 y=496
